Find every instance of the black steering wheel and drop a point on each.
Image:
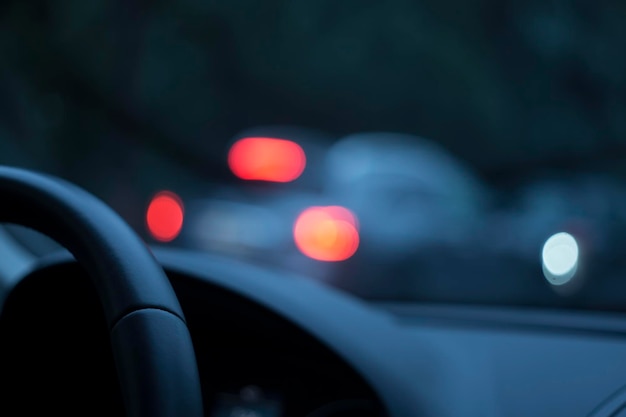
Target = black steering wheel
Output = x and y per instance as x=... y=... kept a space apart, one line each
x=151 y=344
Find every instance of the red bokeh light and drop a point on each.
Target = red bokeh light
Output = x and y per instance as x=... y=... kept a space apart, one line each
x=266 y=159
x=327 y=233
x=164 y=217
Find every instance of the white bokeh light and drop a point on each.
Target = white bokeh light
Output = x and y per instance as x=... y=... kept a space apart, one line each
x=560 y=258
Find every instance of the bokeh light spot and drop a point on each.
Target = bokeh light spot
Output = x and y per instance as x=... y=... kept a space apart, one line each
x=327 y=233
x=560 y=256
x=164 y=217
x=266 y=159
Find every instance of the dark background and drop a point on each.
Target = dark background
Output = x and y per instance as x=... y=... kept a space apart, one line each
x=125 y=97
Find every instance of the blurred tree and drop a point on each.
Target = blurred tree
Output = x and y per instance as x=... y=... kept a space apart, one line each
x=510 y=87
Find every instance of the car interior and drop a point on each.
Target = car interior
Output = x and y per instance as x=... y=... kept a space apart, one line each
x=292 y=209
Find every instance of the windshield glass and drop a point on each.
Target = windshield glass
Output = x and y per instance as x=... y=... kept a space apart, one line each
x=449 y=151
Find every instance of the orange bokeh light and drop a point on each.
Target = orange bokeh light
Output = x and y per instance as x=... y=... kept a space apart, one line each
x=164 y=217
x=327 y=233
x=266 y=159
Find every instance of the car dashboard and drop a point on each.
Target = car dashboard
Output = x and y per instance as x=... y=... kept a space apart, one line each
x=269 y=344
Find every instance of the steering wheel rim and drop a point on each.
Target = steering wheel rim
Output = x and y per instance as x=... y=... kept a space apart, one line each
x=152 y=347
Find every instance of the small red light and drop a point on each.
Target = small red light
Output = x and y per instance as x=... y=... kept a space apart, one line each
x=327 y=233
x=164 y=216
x=266 y=159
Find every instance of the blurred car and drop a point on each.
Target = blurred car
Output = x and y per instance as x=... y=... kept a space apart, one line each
x=393 y=193
x=384 y=203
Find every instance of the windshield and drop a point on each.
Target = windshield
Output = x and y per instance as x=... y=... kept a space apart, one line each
x=447 y=151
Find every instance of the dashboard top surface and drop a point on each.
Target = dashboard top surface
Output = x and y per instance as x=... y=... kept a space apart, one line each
x=439 y=360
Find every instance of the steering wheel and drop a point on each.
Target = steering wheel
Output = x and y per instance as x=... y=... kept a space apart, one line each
x=152 y=347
